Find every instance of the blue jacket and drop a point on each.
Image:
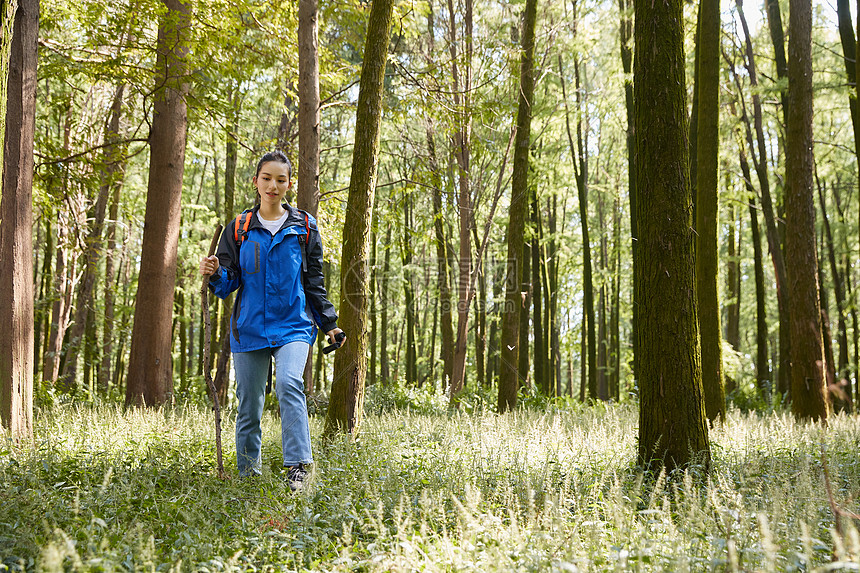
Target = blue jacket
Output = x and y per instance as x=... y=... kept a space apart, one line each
x=275 y=304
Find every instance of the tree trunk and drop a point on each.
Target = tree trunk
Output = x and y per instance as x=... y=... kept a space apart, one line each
x=43 y=314
x=672 y=425
x=510 y=342
x=150 y=377
x=777 y=36
x=707 y=208
x=523 y=361
x=111 y=257
x=480 y=309
x=462 y=149
x=540 y=378
x=733 y=283
x=409 y=294
x=809 y=398
x=694 y=120
x=555 y=327
x=772 y=232
x=16 y=217
x=841 y=368
x=308 y=193
x=838 y=398
x=384 y=368
x=615 y=318
x=602 y=333
x=350 y=364
x=626 y=9
x=763 y=374
x=849 y=48
x=493 y=350
x=446 y=323
x=580 y=163
x=374 y=303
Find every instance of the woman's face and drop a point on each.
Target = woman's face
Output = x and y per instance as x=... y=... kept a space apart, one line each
x=272 y=183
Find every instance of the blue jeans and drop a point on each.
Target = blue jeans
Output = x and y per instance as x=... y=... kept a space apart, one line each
x=252 y=370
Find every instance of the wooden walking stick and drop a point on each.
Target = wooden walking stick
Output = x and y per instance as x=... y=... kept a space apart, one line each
x=207 y=367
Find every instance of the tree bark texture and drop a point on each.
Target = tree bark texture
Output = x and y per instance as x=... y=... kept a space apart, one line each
x=809 y=398
x=150 y=376
x=672 y=425
x=350 y=365
x=707 y=208
x=16 y=220
x=510 y=342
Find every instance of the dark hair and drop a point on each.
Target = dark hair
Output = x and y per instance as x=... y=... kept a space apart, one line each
x=278 y=157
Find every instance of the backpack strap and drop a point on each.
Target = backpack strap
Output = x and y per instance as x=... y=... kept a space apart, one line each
x=303 y=241
x=240 y=229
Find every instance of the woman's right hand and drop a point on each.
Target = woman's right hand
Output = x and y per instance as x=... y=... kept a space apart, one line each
x=209 y=265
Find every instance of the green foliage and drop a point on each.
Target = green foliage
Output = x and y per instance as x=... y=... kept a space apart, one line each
x=106 y=490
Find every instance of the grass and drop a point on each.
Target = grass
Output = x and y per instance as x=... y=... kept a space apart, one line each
x=555 y=490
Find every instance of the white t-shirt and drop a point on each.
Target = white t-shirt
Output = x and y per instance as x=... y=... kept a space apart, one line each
x=273 y=226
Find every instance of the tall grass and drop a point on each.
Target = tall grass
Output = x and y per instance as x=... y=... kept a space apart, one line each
x=108 y=490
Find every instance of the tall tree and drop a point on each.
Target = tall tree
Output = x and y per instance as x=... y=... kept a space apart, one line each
x=580 y=161
x=763 y=375
x=733 y=280
x=808 y=385
x=115 y=173
x=18 y=108
x=777 y=36
x=672 y=426
x=839 y=291
x=849 y=48
x=446 y=346
x=537 y=265
x=760 y=162
x=707 y=208
x=409 y=293
x=462 y=91
x=308 y=192
x=510 y=342
x=350 y=365
x=626 y=11
x=150 y=375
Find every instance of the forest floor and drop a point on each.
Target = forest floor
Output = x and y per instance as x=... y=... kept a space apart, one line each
x=424 y=490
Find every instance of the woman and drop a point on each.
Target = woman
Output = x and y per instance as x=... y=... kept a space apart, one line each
x=273 y=255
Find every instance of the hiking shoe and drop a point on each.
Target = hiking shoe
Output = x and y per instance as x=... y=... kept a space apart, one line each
x=296 y=476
